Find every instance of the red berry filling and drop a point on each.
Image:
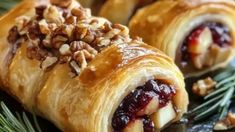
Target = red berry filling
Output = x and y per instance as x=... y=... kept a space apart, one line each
x=220 y=35
x=137 y=100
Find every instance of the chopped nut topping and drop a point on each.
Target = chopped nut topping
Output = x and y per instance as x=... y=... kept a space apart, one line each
x=13 y=35
x=21 y=23
x=66 y=33
x=57 y=41
x=52 y=15
x=48 y=62
x=81 y=13
x=225 y=124
x=75 y=67
x=44 y=27
x=204 y=87
x=65 y=49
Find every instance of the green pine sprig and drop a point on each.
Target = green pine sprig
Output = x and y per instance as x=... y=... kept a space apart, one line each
x=16 y=123
x=219 y=100
x=5 y=5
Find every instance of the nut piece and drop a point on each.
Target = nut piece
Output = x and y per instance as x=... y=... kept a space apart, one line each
x=44 y=26
x=204 y=86
x=80 y=45
x=75 y=67
x=225 y=124
x=21 y=23
x=52 y=15
x=81 y=13
x=61 y=3
x=65 y=49
x=48 y=62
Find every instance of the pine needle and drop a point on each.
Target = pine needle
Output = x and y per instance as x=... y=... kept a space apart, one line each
x=19 y=123
x=219 y=100
x=6 y=5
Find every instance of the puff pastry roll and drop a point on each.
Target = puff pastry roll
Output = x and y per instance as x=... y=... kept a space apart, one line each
x=198 y=35
x=120 y=11
x=86 y=74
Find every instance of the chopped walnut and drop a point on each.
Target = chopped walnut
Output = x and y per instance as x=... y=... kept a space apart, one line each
x=21 y=23
x=225 y=124
x=124 y=29
x=103 y=41
x=79 y=45
x=204 y=87
x=48 y=62
x=75 y=67
x=13 y=35
x=43 y=25
x=68 y=32
x=52 y=15
x=58 y=40
x=81 y=13
x=80 y=57
x=65 y=49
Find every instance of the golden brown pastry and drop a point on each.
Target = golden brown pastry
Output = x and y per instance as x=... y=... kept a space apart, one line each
x=198 y=34
x=120 y=11
x=86 y=74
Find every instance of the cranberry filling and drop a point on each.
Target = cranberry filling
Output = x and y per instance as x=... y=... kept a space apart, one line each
x=220 y=34
x=137 y=100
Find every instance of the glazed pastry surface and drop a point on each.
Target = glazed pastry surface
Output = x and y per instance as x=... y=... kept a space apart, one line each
x=78 y=93
x=167 y=25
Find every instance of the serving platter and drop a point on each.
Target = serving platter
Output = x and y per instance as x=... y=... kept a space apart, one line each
x=185 y=125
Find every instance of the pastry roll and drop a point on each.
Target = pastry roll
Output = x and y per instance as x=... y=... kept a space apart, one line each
x=198 y=35
x=120 y=11
x=86 y=74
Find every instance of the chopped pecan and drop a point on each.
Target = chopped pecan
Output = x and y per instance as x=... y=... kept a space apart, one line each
x=102 y=42
x=107 y=27
x=21 y=23
x=39 y=11
x=70 y=20
x=80 y=58
x=44 y=27
x=75 y=67
x=79 y=33
x=47 y=41
x=204 y=87
x=52 y=15
x=65 y=49
x=89 y=37
x=80 y=45
x=58 y=40
x=13 y=35
x=48 y=62
x=124 y=29
x=34 y=32
x=81 y=13
x=112 y=33
x=225 y=124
